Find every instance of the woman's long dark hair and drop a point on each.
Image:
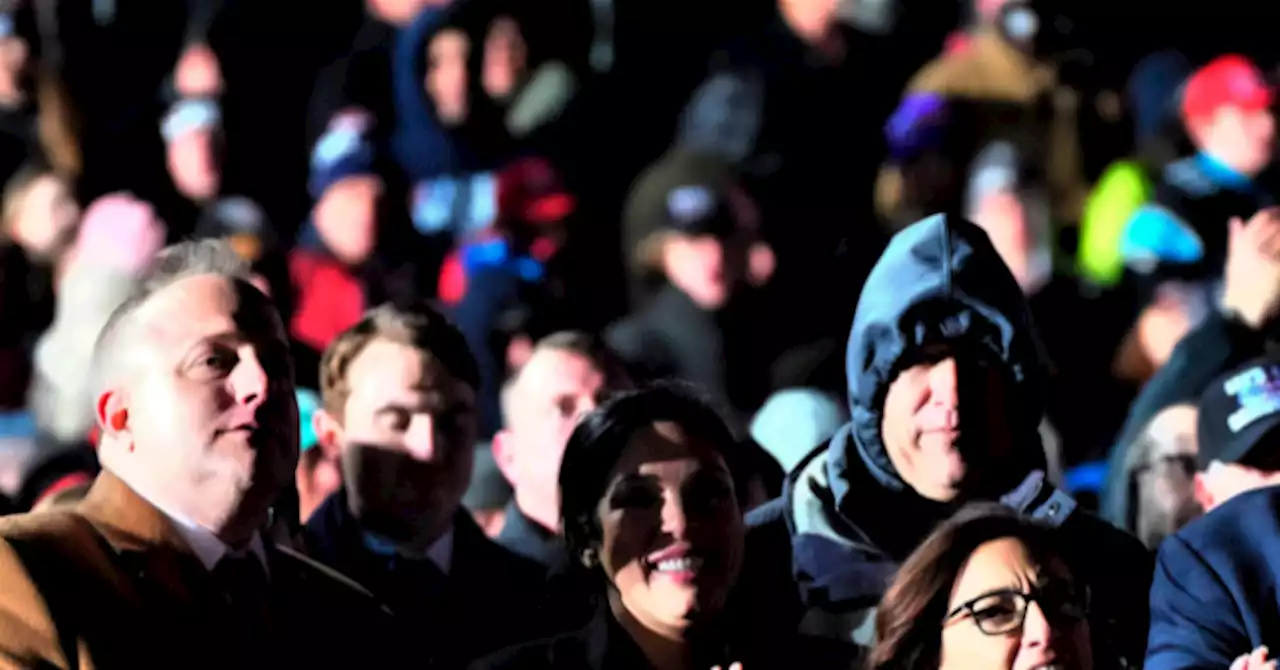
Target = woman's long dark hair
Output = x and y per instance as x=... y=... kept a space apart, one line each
x=909 y=619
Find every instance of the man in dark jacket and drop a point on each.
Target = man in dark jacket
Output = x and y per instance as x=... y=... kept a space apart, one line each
x=946 y=385
x=399 y=392
x=1213 y=598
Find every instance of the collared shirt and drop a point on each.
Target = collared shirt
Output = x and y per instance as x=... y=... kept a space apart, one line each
x=208 y=547
x=440 y=553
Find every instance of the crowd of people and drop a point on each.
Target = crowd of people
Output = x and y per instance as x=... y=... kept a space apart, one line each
x=596 y=334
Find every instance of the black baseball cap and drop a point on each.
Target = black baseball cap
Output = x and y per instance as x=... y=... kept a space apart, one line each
x=685 y=191
x=1239 y=418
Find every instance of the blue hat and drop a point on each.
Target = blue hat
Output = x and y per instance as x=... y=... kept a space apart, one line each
x=189 y=115
x=917 y=126
x=344 y=150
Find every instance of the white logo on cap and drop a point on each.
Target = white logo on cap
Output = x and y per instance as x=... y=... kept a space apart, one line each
x=1258 y=394
x=690 y=203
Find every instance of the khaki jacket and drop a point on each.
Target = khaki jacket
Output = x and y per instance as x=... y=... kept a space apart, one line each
x=110 y=583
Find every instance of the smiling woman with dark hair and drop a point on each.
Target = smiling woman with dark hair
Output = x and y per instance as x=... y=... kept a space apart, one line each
x=649 y=509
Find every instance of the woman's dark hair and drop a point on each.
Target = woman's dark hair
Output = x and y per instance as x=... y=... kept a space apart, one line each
x=600 y=439
x=908 y=621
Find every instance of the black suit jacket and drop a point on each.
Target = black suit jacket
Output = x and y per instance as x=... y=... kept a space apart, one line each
x=491 y=598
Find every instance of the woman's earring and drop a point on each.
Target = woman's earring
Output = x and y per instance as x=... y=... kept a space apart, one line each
x=590 y=558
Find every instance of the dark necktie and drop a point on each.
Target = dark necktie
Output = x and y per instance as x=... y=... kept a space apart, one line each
x=243 y=584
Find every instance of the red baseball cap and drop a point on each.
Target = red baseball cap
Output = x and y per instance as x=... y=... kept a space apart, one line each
x=530 y=190
x=1227 y=80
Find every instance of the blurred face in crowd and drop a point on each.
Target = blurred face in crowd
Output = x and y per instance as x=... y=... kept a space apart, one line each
x=193 y=164
x=671 y=531
x=1175 y=310
x=400 y=12
x=1221 y=482
x=504 y=58
x=13 y=62
x=1012 y=221
x=201 y=417
x=446 y=82
x=407 y=438
x=941 y=445
x=705 y=267
x=1240 y=137
x=1165 y=474
x=988 y=11
x=555 y=389
x=346 y=218
x=198 y=73
x=45 y=221
x=811 y=19
x=1008 y=612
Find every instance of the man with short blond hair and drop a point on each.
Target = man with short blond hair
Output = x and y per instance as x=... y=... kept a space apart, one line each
x=399 y=413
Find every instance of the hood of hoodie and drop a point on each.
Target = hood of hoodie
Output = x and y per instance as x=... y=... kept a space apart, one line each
x=421 y=145
x=940 y=281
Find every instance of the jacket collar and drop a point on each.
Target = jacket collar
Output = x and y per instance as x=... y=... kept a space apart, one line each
x=126 y=520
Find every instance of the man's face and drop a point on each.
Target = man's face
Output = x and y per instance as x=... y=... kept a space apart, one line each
x=446 y=80
x=1243 y=137
x=504 y=58
x=45 y=224
x=939 y=451
x=346 y=218
x=811 y=19
x=208 y=407
x=705 y=267
x=555 y=390
x=1166 y=495
x=409 y=431
x=193 y=165
x=1221 y=482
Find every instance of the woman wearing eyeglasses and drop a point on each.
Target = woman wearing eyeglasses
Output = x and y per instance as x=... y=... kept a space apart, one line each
x=988 y=590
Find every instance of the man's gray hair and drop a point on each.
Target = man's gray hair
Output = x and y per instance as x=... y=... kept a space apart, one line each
x=172 y=264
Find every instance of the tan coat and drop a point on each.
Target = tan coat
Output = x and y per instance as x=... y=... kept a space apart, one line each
x=1008 y=96
x=110 y=583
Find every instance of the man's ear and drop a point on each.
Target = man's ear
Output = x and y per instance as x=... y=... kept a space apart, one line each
x=1203 y=491
x=112 y=414
x=328 y=433
x=504 y=454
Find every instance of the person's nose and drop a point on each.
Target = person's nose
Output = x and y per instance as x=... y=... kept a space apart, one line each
x=1037 y=630
x=675 y=521
x=249 y=381
x=944 y=382
x=419 y=438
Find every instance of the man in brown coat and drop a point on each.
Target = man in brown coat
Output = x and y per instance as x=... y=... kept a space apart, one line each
x=165 y=563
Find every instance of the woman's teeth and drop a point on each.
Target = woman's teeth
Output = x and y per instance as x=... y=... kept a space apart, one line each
x=679 y=564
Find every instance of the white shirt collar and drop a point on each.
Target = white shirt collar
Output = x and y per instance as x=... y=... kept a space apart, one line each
x=208 y=547
x=210 y=550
